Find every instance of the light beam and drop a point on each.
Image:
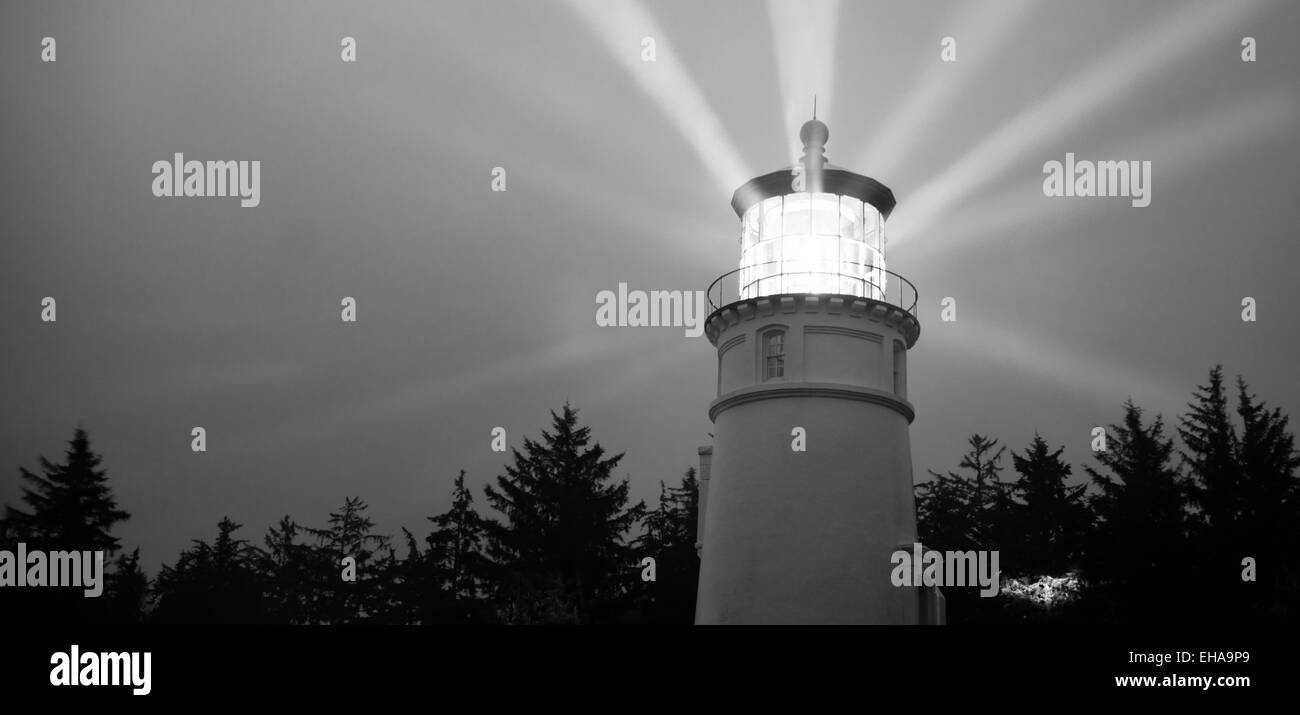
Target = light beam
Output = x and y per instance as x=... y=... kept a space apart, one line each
x=620 y=25
x=803 y=35
x=1098 y=88
x=982 y=25
x=1175 y=149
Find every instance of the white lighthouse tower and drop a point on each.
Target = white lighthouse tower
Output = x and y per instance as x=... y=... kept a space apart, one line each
x=808 y=490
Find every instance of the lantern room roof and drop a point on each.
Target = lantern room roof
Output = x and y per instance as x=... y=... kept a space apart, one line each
x=819 y=177
x=833 y=181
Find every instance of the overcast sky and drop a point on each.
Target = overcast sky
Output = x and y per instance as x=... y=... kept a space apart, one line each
x=476 y=309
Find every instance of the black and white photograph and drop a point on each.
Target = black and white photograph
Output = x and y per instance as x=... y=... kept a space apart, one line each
x=334 y=329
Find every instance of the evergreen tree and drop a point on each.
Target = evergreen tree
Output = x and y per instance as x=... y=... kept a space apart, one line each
x=1051 y=518
x=127 y=591
x=565 y=524
x=1245 y=491
x=989 y=495
x=457 y=542
x=443 y=585
x=71 y=506
x=1210 y=448
x=960 y=512
x=1269 y=517
x=1210 y=453
x=349 y=534
x=669 y=539
x=415 y=591
x=1137 y=561
x=942 y=520
x=215 y=583
x=286 y=568
x=456 y=549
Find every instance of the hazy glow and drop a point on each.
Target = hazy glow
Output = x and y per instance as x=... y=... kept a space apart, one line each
x=620 y=25
x=430 y=395
x=1177 y=148
x=804 y=33
x=812 y=243
x=671 y=362
x=986 y=24
x=1067 y=366
x=1102 y=85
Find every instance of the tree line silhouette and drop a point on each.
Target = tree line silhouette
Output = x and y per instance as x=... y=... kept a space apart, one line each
x=560 y=553
x=1157 y=533
x=1204 y=531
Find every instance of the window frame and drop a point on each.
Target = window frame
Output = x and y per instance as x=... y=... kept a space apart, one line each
x=765 y=364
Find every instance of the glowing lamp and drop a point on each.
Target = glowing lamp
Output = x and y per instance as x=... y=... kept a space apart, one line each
x=814 y=228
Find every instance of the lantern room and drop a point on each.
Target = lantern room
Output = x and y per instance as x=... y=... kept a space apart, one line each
x=813 y=228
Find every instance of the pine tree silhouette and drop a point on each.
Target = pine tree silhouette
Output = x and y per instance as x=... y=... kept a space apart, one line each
x=1210 y=453
x=414 y=593
x=1051 y=518
x=563 y=538
x=286 y=568
x=127 y=591
x=669 y=538
x=212 y=584
x=70 y=507
x=457 y=550
x=962 y=511
x=1210 y=449
x=1269 y=520
x=350 y=533
x=457 y=542
x=1137 y=564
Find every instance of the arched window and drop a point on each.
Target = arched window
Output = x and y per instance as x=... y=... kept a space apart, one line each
x=774 y=354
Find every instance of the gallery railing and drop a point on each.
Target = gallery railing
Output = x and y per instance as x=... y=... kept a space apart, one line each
x=789 y=277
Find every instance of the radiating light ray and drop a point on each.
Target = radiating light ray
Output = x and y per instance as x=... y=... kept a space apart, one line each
x=426 y=395
x=620 y=25
x=1098 y=88
x=534 y=167
x=989 y=23
x=804 y=34
x=569 y=353
x=672 y=358
x=1071 y=369
x=1175 y=149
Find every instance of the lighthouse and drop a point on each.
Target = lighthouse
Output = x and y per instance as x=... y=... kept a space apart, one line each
x=806 y=491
